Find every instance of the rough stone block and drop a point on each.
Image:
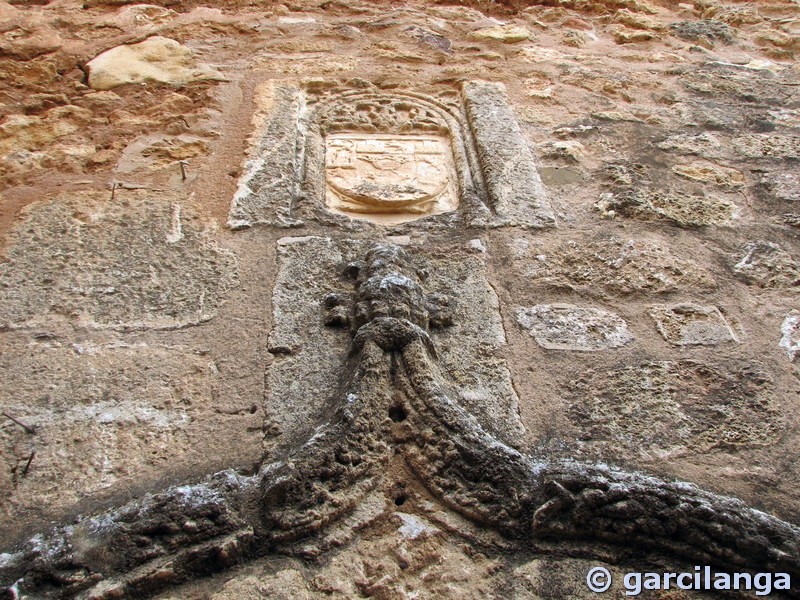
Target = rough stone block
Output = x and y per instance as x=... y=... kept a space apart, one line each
x=784 y=185
x=767 y=145
x=608 y=266
x=708 y=172
x=692 y=325
x=508 y=34
x=767 y=265
x=155 y=59
x=667 y=205
x=568 y=327
x=707 y=145
x=665 y=409
x=105 y=416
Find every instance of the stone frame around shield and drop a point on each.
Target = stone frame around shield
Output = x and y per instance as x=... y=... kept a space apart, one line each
x=492 y=176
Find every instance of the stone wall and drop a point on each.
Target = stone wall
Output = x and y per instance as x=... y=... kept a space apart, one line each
x=599 y=199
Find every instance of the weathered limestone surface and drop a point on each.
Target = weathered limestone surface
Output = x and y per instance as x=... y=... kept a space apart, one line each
x=103 y=415
x=393 y=387
x=611 y=266
x=767 y=265
x=133 y=263
x=155 y=59
x=790 y=328
x=138 y=347
x=784 y=185
x=681 y=209
x=665 y=409
x=507 y=34
x=690 y=324
x=711 y=173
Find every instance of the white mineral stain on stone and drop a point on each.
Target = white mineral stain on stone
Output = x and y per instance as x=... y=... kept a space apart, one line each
x=790 y=341
x=413 y=527
x=286 y=241
x=476 y=245
x=508 y=34
x=296 y=20
x=6 y=559
x=400 y=240
x=395 y=280
x=767 y=265
x=197 y=495
x=176 y=233
x=128 y=413
x=569 y=327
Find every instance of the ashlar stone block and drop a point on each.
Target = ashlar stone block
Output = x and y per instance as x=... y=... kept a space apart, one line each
x=569 y=327
x=140 y=262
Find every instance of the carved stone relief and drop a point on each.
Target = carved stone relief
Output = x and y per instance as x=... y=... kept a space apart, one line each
x=307 y=355
x=394 y=408
x=344 y=156
x=389 y=179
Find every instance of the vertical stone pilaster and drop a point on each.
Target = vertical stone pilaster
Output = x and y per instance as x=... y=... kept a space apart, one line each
x=266 y=193
x=516 y=193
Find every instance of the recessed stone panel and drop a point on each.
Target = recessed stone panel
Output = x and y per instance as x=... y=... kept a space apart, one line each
x=569 y=327
x=690 y=324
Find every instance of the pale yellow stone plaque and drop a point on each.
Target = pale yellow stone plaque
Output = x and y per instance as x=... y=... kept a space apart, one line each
x=389 y=178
